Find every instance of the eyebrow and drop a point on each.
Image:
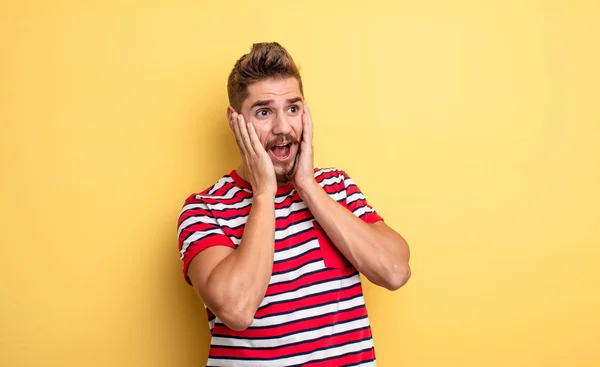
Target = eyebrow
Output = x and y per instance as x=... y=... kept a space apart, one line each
x=266 y=102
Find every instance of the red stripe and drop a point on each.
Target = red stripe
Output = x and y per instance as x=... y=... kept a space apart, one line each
x=310 y=301
x=294 y=327
x=353 y=189
x=293 y=218
x=305 y=280
x=333 y=189
x=294 y=240
x=326 y=175
x=288 y=351
x=285 y=266
x=222 y=190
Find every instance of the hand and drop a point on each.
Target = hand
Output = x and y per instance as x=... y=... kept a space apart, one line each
x=256 y=162
x=305 y=173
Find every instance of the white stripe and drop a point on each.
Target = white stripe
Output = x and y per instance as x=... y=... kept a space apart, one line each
x=228 y=195
x=193 y=206
x=354 y=197
x=309 y=312
x=220 y=184
x=324 y=170
x=332 y=180
x=236 y=205
x=201 y=234
x=348 y=182
x=312 y=289
x=295 y=251
x=243 y=203
x=296 y=273
x=195 y=237
x=295 y=207
x=193 y=220
x=362 y=210
x=366 y=364
x=305 y=336
x=293 y=229
x=282 y=198
x=283 y=233
x=338 y=196
x=232 y=223
x=317 y=355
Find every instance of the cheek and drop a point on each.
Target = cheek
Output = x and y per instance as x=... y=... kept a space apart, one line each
x=263 y=136
x=297 y=127
x=259 y=127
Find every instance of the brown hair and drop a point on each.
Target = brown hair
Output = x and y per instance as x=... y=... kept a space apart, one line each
x=265 y=61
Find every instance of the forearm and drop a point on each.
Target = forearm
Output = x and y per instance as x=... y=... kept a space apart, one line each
x=377 y=252
x=239 y=283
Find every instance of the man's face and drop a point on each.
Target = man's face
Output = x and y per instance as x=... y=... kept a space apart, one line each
x=274 y=107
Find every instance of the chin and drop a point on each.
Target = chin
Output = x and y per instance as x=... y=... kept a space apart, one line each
x=285 y=175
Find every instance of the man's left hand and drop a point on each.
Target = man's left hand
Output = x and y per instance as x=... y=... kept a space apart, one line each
x=305 y=175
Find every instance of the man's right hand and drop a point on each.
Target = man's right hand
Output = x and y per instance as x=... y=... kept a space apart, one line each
x=258 y=168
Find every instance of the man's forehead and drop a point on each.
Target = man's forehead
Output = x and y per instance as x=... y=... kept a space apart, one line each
x=274 y=89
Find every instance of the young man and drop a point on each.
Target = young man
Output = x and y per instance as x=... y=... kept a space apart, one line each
x=275 y=247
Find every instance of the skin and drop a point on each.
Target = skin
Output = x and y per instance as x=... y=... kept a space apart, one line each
x=276 y=113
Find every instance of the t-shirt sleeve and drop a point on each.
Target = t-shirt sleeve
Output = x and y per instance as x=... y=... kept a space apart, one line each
x=198 y=230
x=357 y=203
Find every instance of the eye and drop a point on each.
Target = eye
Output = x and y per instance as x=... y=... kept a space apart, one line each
x=293 y=108
x=262 y=112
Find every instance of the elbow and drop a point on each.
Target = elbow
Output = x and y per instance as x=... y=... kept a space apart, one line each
x=238 y=324
x=237 y=317
x=237 y=320
x=398 y=277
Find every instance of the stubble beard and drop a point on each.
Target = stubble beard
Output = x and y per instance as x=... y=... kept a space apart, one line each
x=287 y=177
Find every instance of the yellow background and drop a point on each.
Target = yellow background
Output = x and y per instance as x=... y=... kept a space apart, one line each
x=472 y=126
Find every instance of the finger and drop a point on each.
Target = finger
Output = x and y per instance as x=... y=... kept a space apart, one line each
x=256 y=144
x=308 y=118
x=236 y=132
x=306 y=138
x=307 y=124
x=244 y=134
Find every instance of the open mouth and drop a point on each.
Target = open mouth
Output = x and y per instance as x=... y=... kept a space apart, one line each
x=281 y=152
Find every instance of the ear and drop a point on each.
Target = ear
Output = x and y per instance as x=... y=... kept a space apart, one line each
x=230 y=111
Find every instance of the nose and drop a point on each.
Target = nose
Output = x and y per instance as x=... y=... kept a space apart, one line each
x=281 y=124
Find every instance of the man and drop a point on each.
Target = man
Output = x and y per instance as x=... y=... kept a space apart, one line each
x=275 y=247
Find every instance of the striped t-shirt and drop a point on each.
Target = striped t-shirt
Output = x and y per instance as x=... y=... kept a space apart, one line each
x=313 y=312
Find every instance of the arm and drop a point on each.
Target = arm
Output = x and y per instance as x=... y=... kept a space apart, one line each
x=232 y=283
x=375 y=250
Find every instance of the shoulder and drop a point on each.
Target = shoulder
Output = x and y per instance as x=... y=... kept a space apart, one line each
x=322 y=174
x=214 y=192
x=332 y=179
x=221 y=189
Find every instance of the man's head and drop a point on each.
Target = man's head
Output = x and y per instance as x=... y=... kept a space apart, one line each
x=266 y=88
